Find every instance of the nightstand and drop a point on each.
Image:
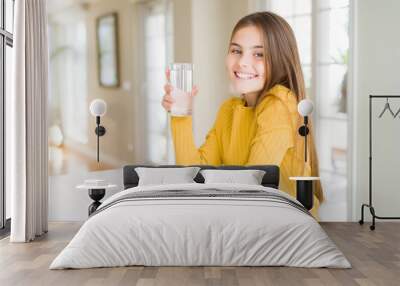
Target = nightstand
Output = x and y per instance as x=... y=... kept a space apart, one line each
x=96 y=190
x=304 y=190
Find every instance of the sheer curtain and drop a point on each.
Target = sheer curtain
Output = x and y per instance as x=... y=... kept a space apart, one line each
x=26 y=119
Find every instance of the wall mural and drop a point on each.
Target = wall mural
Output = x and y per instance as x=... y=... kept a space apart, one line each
x=117 y=52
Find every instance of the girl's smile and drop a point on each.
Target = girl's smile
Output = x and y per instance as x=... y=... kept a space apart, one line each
x=246 y=76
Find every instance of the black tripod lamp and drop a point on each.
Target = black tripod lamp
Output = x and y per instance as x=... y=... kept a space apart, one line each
x=98 y=108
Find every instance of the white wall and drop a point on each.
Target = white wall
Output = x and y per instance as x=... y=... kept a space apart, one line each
x=377 y=71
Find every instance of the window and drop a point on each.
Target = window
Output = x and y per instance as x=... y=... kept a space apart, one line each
x=322 y=33
x=157 y=47
x=68 y=91
x=6 y=44
x=298 y=14
x=68 y=83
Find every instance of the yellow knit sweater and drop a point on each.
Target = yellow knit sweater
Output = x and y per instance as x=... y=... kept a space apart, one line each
x=241 y=135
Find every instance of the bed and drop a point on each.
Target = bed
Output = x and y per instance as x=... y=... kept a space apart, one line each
x=201 y=224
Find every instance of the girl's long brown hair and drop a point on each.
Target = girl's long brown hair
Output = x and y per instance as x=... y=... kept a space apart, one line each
x=282 y=66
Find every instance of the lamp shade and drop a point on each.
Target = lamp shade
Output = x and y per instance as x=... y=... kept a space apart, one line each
x=305 y=107
x=98 y=107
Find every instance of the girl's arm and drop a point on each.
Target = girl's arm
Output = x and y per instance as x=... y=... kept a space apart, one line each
x=186 y=152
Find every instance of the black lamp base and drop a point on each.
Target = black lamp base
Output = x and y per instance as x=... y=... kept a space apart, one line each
x=304 y=193
x=96 y=195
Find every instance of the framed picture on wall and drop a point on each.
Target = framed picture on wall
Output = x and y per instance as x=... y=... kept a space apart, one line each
x=107 y=50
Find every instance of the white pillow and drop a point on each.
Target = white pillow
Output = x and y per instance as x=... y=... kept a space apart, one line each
x=249 y=177
x=162 y=176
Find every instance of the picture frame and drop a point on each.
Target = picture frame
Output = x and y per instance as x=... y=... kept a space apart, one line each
x=108 y=50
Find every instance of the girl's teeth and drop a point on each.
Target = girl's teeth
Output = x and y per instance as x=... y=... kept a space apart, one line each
x=244 y=75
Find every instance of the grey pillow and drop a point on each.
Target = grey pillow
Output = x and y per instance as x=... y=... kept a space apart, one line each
x=162 y=176
x=248 y=177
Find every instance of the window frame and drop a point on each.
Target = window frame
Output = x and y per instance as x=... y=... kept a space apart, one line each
x=6 y=39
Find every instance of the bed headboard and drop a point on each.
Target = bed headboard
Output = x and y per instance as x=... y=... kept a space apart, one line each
x=270 y=179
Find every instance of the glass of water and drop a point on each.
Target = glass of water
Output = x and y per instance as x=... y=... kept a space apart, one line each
x=181 y=79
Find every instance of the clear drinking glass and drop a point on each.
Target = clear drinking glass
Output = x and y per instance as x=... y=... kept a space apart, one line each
x=181 y=78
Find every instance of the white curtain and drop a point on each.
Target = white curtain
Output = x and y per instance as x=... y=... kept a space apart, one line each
x=26 y=132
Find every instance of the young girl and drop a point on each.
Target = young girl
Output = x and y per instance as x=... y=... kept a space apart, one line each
x=260 y=127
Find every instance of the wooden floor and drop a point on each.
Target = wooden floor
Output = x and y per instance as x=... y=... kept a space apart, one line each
x=374 y=255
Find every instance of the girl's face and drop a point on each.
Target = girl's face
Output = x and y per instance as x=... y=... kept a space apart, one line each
x=245 y=61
